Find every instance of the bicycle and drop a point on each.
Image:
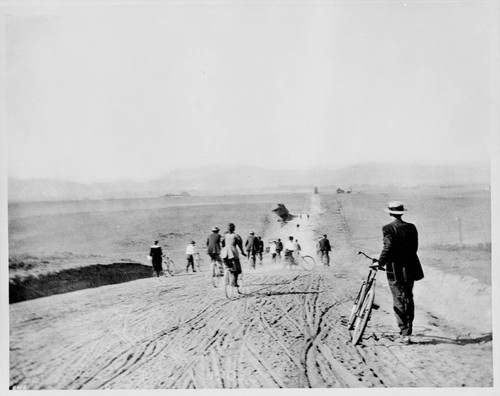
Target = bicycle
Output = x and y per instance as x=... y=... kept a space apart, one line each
x=217 y=273
x=168 y=265
x=229 y=288
x=198 y=262
x=364 y=303
x=304 y=261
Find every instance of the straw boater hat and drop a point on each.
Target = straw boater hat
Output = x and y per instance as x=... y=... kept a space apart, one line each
x=215 y=229
x=395 y=207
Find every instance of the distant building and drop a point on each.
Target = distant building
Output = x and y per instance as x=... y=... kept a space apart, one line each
x=182 y=194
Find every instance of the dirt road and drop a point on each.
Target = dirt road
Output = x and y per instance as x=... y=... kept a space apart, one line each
x=286 y=330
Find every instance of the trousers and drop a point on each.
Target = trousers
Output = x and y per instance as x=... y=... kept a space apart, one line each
x=404 y=307
x=190 y=262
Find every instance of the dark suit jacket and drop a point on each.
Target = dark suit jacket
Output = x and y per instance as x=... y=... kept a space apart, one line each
x=252 y=244
x=324 y=245
x=156 y=254
x=399 y=254
x=213 y=243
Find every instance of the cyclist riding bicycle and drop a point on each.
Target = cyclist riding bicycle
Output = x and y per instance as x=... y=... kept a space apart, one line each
x=214 y=242
x=231 y=243
x=289 y=249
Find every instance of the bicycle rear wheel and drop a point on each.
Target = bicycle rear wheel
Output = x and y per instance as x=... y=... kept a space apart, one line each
x=170 y=267
x=363 y=317
x=307 y=262
x=252 y=260
x=229 y=289
x=240 y=283
x=217 y=277
x=358 y=302
x=288 y=262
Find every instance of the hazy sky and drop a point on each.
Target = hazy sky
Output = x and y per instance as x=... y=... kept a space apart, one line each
x=133 y=92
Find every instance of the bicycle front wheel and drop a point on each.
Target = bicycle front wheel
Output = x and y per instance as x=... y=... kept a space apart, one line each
x=307 y=262
x=363 y=317
x=170 y=267
x=216 y=276
x=199 y=264
x=358 y=302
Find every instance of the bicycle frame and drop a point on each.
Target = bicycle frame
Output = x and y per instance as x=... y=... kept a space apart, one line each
x=363 y=304
x=365 y=287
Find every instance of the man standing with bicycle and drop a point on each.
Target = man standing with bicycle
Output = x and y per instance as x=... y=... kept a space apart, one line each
x=399 y=256
x=252 y=248
x=156 y=256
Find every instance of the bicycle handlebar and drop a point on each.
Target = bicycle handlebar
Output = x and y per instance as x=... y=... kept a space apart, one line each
x=368 y=257
x=374 y=260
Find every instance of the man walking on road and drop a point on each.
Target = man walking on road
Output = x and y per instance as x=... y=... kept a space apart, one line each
x=252 y=248
x=260 y=252
x=279 y=248
x=399 y=256
x=325 y=249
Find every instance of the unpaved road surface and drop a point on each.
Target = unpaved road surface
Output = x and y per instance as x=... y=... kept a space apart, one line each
x=287 y=329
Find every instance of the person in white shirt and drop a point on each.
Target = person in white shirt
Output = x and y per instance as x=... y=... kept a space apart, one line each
x=190 y=256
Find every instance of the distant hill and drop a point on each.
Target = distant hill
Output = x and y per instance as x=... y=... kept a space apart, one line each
x=253 y=180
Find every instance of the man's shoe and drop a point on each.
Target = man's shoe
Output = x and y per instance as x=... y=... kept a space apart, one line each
x=405 y=339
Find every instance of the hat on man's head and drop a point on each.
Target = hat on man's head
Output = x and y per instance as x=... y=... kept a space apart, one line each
x=395 y=207
x=215 y=229
x=252 y=233
x=193 y=242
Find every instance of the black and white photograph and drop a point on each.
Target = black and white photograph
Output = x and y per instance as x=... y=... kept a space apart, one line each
x=249 y=195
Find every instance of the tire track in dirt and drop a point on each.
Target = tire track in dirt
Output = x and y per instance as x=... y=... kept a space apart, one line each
x=287 y=330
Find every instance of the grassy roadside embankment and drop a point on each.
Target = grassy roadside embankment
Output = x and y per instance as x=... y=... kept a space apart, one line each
x=85 y=246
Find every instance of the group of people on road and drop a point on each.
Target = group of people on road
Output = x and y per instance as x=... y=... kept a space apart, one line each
x=398 y=257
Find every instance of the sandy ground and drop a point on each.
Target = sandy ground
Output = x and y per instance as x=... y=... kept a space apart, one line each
x=287 y=329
